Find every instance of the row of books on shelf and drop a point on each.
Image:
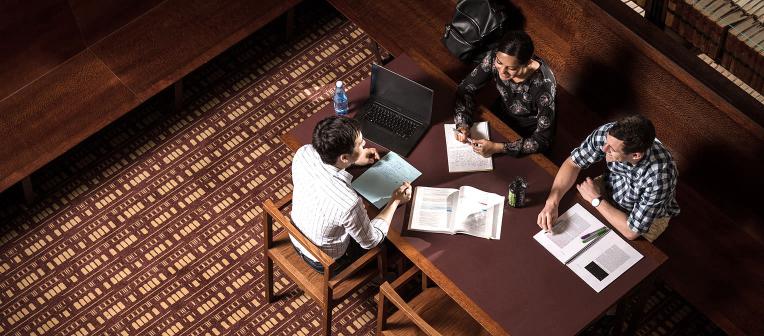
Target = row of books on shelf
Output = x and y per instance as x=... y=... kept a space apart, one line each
x=728 y=30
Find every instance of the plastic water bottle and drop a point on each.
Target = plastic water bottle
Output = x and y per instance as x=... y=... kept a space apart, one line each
x=340 y=100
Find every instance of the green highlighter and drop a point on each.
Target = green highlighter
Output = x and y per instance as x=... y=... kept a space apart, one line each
x=591 y=236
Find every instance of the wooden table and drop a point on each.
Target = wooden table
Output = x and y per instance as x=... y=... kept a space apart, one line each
x=512 y=285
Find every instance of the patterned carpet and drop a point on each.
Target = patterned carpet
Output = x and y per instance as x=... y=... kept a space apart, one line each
x=151 y=226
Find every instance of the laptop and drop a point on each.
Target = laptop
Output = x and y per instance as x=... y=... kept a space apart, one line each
x=398 y=111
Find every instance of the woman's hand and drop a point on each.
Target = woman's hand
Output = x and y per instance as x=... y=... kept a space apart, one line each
x=462 y=134
x=486 y=148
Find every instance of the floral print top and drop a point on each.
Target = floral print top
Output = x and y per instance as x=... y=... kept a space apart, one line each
x=528 y=107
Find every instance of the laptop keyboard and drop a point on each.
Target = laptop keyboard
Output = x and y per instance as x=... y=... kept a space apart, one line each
x=386 y=118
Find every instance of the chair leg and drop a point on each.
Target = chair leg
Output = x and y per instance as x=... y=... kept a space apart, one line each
x=380 y=313
x=268 y=279
x=326 y=322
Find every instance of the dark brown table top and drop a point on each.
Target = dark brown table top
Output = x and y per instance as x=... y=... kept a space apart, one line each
x=512 y=285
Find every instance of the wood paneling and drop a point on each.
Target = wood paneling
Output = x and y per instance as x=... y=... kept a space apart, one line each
x=35 y=37
x=177 y=36
x=56 y=112
x=97 y=19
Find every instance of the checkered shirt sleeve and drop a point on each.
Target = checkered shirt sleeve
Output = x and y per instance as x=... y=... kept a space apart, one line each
x=590 y=151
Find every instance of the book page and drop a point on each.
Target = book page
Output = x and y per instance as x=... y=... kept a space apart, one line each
x=461 y=157
x=478 y=213
x=565 y=239
x=604 y=262
x=432 y=209
x=377 y=183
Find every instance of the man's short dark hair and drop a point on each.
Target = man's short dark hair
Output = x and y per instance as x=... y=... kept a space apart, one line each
x=636 y=132
x=517 y=43
x=335 y=136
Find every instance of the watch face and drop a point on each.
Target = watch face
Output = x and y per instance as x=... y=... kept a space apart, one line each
x=596 y=202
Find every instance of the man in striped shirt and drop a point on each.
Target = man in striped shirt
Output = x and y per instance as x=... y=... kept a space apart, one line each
x=637 y=194
x=324 y=205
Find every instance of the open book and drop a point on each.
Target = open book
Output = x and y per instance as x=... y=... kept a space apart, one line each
x=461 y=157
x=598 y=261
x=465 y=210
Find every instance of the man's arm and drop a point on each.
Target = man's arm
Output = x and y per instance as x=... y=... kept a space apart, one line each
x=564 y=179
x=399 y=196
x=370 y=233
x=617 y=218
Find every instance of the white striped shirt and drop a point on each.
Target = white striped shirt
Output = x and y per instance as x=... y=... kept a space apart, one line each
x=326 y=208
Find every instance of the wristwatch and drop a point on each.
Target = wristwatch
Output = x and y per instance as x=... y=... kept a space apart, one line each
x=596 y=201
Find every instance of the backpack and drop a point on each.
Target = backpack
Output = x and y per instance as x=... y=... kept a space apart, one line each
x=475 y=29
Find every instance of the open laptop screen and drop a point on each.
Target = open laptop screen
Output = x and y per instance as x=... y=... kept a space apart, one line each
x=401 y=91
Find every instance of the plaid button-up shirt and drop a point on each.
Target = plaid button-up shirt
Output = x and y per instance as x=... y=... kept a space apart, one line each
x=645 y=190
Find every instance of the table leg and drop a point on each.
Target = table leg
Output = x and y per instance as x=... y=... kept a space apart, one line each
x=28 y=189
x=289 y=23
x=178 y=95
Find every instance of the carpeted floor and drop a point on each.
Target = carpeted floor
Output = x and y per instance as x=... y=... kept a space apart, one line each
x=151 y=226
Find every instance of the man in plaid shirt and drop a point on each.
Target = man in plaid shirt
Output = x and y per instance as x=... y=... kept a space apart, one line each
x=637 y=194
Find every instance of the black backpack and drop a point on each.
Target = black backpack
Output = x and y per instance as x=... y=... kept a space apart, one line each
x=476 y=29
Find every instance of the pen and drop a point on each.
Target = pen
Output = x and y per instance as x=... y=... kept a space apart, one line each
x=594 y=233
x=597 y=234
x=592 y=242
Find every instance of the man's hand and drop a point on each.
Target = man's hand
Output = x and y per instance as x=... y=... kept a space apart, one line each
x=402 y=194
x=486 y=148
x=589 y=190
x=547 y=217
x=368 y=156
x=462 y=134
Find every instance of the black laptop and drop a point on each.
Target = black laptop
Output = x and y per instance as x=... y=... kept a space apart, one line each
x=398 y=111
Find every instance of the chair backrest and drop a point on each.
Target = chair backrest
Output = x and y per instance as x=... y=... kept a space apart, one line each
x=388 y=293
x=273 y=212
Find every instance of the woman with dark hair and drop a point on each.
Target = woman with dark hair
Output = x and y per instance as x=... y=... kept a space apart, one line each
x=526 y=89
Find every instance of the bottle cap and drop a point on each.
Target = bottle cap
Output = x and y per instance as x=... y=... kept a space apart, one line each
x=339 y=83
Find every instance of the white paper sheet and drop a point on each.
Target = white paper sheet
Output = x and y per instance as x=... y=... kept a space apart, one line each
x=433 y=209
x=565 y=240
x=479 y=213
x=604 y=262
x=461 y=157
x=601 y=263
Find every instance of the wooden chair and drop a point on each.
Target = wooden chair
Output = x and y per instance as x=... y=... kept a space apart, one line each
x=431 y=312
x=327 y=288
